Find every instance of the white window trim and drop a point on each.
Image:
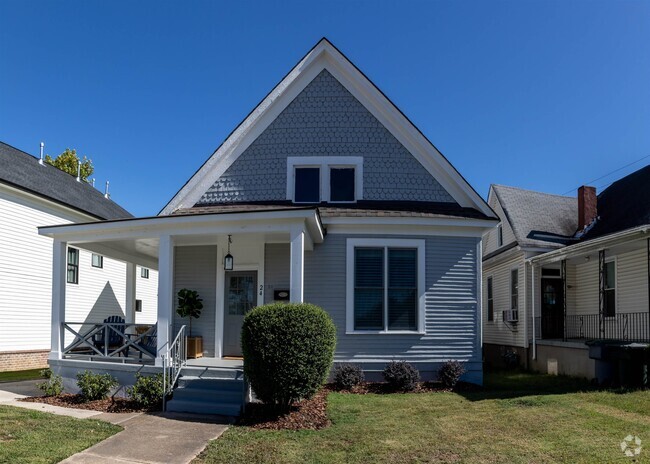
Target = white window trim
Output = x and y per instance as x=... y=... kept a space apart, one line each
x=325 y=163
x=614 y=260
x=101 y=261
x=353 y=243
x=499 y=235
x=487 y=299
x=510 y=294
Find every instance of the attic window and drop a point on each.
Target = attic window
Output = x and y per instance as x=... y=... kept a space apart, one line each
x=500 y=235
x=315 y=179
x=307 y=185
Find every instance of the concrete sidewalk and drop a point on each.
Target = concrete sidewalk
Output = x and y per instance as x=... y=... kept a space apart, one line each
x=169 y=438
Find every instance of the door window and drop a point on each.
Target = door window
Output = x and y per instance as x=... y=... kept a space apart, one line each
x=241 y=295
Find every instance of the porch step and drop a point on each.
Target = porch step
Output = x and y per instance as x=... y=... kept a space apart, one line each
x=207 y=394
x=212 y=372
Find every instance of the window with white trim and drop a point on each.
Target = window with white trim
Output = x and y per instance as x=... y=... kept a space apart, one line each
x=97 y=261
x=385 y=285
x=73 y=266
x=610 y=288
x=514 y=288
x=490 y=299
x=500 y=235
x=144 y=272
x=330 y=179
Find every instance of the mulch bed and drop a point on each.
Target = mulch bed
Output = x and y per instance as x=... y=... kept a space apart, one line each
x=305 y=415
x=77 y=402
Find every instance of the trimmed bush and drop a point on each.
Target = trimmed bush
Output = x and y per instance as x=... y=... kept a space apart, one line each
x=401 y=376
x=347 y=376
x=53 y=386
x=147 y=391
x=95 y=386
x=288 y=351
x=449 y=373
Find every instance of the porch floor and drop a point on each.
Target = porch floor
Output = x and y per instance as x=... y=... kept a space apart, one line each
x=216 y=362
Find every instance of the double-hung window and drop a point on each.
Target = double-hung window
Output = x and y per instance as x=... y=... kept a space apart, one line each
x=610 y=289
x=500 y=235
x=330 y=179
x=385 y=284
x=97 y=260
x=144 y=272
x=490 y=300
x=73 y=266
x=514 y=289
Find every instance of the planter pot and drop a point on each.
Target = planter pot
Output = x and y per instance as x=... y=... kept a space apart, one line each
x=194 y=347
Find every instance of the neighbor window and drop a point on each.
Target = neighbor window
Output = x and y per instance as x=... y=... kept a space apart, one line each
x=73 y=266
x=144 y=272
x=138 y=306
x=97 y=261
x=500 y=235
x=514 y=289
x=316 y=179
x=610 y=289
x=384 y=286
x=307 y=185
x=490 y=300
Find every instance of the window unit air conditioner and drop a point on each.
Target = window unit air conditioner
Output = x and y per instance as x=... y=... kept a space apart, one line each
x=511 y=315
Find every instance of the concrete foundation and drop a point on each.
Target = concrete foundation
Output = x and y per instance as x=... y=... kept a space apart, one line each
x=564 y=358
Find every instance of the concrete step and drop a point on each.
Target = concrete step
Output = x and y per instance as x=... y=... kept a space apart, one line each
x=201 y=407
x=210 y=395
x=212 y=372
x=185 y=381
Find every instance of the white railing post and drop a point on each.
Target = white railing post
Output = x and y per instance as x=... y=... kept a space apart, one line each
x=59 y=271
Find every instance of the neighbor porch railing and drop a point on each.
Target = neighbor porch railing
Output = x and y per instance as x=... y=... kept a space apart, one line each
x=114 y=341
x=173 y=362
x=632 y=327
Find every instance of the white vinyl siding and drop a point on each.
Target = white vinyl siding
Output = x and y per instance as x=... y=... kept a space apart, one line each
x=490 y=238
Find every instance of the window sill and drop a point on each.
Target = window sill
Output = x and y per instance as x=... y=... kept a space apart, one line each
x=384 y=332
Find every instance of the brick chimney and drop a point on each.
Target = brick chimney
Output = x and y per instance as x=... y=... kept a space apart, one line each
x=587 y=206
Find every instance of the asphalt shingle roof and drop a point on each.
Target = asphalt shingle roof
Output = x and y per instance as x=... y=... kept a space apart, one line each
x=533 y=213
x=23 y=171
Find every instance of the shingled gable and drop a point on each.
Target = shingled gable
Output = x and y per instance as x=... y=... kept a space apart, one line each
x=324 y=56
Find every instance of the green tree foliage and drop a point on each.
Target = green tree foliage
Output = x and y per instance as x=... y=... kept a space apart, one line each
x=67 y=162
x=189 y=305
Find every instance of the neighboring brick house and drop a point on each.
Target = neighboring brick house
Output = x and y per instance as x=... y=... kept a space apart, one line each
x=562 y=272
x=34 y=194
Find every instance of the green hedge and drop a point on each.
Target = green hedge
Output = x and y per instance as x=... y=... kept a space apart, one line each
x=288 y=351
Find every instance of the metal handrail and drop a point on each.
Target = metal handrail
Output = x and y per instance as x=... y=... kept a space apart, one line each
x=173 y=362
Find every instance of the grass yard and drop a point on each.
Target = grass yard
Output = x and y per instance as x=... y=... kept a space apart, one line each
x=518 y=418
x=28 y=436
x=16 y=376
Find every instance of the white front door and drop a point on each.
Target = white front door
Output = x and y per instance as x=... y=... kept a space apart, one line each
x=240 y=297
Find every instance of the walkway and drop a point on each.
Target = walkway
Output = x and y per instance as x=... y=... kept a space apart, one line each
x=169 y=438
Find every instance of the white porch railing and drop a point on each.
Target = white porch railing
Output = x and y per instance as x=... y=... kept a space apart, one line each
x=173 y=362
x=125 y=342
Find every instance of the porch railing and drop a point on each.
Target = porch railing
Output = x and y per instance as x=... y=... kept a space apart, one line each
x=173 y=362
x=116 y=341
x=632 y=327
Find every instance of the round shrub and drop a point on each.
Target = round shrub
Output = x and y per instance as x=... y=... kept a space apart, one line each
x=95 y=386
x=147 y=391
x=347 y=376
x=449 y=373
x=53 y=386
x=288 y=351
x=401 y=376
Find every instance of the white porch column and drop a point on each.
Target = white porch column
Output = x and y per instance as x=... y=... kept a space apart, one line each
x=297 y=268
x=129 y=307
x=59 y=271
x=165 y=294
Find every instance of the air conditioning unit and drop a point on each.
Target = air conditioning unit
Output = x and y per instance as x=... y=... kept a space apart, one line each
x=511 y=315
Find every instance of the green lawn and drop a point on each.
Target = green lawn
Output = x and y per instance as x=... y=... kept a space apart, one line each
x=518 y=418
x=16 y=376
x=28 y=436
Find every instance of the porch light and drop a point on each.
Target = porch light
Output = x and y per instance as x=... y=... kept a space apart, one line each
x=228 y=261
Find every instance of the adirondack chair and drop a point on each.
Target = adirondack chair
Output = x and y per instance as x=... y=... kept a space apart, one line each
x=149 y=343
x=115 y=340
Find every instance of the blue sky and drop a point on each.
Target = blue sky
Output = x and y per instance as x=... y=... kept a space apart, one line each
x=540 y=95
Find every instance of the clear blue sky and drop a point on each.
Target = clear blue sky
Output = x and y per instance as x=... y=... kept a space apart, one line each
x=541 y=95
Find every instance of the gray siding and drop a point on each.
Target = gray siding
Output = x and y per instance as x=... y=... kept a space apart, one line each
x=326 y=120
x=451 y=313
x=195 y=267
x=276 y=269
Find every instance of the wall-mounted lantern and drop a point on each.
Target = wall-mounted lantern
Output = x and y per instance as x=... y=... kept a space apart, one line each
x=228 y=260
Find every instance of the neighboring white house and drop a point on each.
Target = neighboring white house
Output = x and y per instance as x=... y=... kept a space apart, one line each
x=32 y=195
x=325 y=193
x=584 y=264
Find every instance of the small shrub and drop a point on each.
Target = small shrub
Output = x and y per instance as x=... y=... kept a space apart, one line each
x=53 y=386
x=95 y=386
x=510 y=358
x=147 y=390
x=347 y=376
x=401 y=376
x=288 y=351
x=449 y=373
x=46 y=373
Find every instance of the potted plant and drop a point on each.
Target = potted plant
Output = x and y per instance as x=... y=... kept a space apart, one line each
x=190 y=305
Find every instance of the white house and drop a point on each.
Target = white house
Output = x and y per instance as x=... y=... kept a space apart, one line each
x=326 y=193
x=32 y=195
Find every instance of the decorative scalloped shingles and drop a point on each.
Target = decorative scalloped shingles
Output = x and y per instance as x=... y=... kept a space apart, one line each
x=326 y=120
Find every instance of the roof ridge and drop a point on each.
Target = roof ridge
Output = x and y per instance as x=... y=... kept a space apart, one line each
x=533 y=191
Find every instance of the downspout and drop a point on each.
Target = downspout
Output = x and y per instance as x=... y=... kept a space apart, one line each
x=525 y=312
x=532 y=295
x=648 y=256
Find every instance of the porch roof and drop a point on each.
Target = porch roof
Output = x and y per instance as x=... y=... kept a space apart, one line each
x=137 y=240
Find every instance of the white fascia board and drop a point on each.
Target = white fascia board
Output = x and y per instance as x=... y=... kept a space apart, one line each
x=325 y=56
x=263 y=221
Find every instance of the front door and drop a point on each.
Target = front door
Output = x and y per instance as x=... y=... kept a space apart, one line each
x=240 y=297
x=552 y=308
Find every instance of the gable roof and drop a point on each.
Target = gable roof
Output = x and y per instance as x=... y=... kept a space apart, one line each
x=623 y=205
x=23 y=171
x=538 y=219
x=326 y=56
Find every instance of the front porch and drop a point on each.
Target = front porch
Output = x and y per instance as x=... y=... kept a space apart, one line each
x=188 y=252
